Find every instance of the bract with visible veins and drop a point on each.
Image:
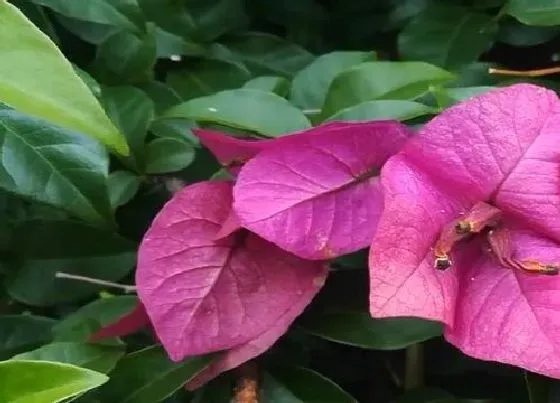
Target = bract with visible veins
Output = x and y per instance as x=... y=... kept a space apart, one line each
x=489 y=166
x=204 y=294
x=318 y=196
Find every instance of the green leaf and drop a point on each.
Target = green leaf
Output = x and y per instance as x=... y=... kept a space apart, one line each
x=91 y=356
x=197 y=20
x=448 y=36
x=514 y=33
x=163 y=96
x=264 y=53
x=37 y=15
x=54 y=166
x=384 y=109
x=48 y=247
x=96 y=11
x=54 y=92
x=80 y=325
x=207 y=76
x=168 y=155
x=19 y=333
x=44 y=382
x=132 y=111
x=254 y=110
x=178 y=129
x=310 y=85
x=535 y=12
x=218 y=390
x=149 y=376
x=361 y=330
x=275 y=84
x=449 y=96
x=301 y=385
x=382 y=80
x=92 y=84
x=127 y=56
x=123 y=186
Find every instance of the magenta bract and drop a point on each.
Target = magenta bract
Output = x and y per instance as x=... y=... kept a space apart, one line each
x=205 y=294
x=318 y=195
x=132 y=322
x=496 y=289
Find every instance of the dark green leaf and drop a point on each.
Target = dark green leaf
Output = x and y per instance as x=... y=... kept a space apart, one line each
x=55 y=246
x=218 y=390
x=19 y=333
x=164 y=96
x=206 y=77
x=88 y=31
x=54 y=166
x=38 y=17
x=149 y=376
x=84 y=322
x=384 y=109
x=168 y=155
x=265 y=53
x=301 y=385
x=254 y=110
x=276 y=84
x=123 y=185
x=427 y=396
x=197 y=20
x=538 y=388
x=382 y=80
x=535 y=12
x=44 y=382
x=361 y=330
x=448 y=36
x=128 y=56
x=91 y=356
x=310 y=85
x=92 y=84
x=517 y=34
x=178 y=129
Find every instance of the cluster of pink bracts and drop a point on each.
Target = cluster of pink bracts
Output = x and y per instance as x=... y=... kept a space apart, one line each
x=462 y=220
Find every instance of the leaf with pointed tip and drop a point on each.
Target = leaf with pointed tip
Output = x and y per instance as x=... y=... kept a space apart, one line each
x=54 y=91
x=535 y=12
x=19 y=333
x=384 y=109
x=318 y=196
x=204 y=295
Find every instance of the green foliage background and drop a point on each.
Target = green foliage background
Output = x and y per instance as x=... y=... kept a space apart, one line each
x=143 y=73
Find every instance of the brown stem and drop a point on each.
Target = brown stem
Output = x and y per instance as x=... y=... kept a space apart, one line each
x=247 y=389
x=525 y=73
x=96 y=281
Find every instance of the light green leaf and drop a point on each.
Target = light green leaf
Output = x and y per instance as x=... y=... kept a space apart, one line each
x=54 y=166
x=149 y=376
x=44 y=382
x=207 y=76
x=384 y=109
x=310 y=85
x=535 y=12
x=50 y=89
x=301 y=385
x=81 y=324
x=97 y=11
x=254 y=110
x=265 y=53
x=91 y=356
x=382 y=80
x=123 y=186
x=448 y=36
x=19 y=333
x=168 y=155
x=361 y=330
x=275 y=84
x=48 y=247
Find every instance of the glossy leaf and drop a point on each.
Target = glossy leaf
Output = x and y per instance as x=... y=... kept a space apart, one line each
x=384 y=110
x=168 y=155
x=253 y=110
x=310 y=85
x=535 y=12
x=361 y=330
x=53 y=92
x=123 y=186
x=95 y=357
x=44 y=382
x=448 y=36
x=515 y=33
x=301 y=385
x=382 y=80
x=205 y=77
x=266 y=54
x=278 y=85
x=446 y=97
x=148 y=376
x=19 y=333
x=53 y=165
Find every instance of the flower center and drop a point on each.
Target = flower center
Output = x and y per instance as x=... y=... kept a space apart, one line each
x=485 y=219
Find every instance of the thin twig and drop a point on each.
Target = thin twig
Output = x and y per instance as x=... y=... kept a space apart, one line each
x=414 y=367
x=525 y=73
x=96 y=281
x=247 y=389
